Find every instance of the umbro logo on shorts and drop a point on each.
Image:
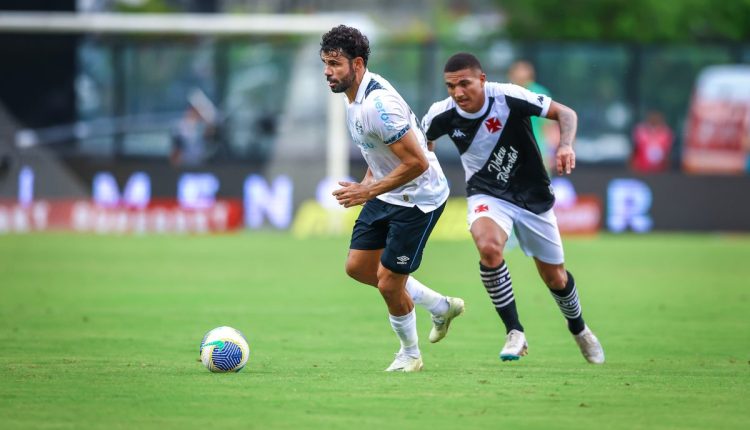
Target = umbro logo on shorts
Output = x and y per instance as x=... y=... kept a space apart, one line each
x=402 y=259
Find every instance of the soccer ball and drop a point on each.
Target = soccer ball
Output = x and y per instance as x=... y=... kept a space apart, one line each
x=224 y=349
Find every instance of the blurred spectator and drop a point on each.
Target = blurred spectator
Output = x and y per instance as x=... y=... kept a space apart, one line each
x=192 y=139
x=652 y=144
x=547 y=134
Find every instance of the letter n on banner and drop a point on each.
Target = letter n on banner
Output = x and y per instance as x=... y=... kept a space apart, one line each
x=268 y=202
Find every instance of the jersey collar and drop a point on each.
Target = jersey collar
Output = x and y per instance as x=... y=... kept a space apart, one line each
x=478 y=113
x=366 y=78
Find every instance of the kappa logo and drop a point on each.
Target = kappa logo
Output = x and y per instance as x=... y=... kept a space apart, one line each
x=457 y=133
x=359 y=127
x=493 y=124
x=402 y=259
x=481 y=208
x=541 y=99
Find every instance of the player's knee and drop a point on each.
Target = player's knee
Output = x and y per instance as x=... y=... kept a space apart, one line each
x=555 y=279
x=491 y=252
x=389 y=282
x=355 y=270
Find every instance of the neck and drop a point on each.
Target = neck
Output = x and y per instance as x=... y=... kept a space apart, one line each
x=481 y=106
x=351 y=92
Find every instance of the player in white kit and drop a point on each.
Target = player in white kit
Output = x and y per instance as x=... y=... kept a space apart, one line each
x=403 y=192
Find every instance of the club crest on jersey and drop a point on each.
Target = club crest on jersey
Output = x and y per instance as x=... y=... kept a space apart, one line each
x=493 y=124
x=481 y=208
x=458 y=134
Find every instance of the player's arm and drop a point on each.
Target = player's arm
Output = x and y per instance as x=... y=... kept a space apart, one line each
x=413 y=164
x=567 y=121
x=431 y=146
x=368 y=179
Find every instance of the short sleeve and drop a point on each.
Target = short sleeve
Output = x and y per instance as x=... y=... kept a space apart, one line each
x=528 y=102
x=387 y=116
x=431 y=128
x=430 y=132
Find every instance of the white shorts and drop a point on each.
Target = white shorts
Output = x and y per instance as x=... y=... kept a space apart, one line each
x=537 y=235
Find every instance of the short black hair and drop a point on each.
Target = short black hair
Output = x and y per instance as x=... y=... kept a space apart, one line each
x=461 y=61
x=347 y=40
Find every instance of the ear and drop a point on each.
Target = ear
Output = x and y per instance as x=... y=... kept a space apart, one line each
x=359 y=63
x=482 y=78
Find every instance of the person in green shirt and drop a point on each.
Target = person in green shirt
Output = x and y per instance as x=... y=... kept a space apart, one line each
x=522 y=73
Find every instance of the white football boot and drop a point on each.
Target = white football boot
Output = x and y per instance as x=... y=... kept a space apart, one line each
x=405 y=363
x=441 y=323
x=590 y=347
x=515 y=346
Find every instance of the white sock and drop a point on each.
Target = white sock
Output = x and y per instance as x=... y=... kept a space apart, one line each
x=429 y=299
x=406 y=330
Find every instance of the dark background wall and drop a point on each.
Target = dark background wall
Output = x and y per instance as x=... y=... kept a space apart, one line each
x=38 y=71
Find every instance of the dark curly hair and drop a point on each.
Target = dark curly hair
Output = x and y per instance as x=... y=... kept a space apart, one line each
x=347 y=40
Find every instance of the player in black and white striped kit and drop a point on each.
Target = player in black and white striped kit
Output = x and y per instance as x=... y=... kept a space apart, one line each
x=508 y=188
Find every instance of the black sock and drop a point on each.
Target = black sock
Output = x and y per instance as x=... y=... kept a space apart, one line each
x=498 y=285
x=567 y=301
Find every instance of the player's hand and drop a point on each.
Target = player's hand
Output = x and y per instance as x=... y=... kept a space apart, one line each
x=566 y=160
x=352 y=194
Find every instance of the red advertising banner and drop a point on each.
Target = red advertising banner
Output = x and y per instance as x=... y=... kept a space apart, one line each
x=584 y=216
x=160 y=216
x=717 y=135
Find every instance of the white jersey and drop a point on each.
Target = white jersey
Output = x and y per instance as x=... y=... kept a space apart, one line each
x=378 y=117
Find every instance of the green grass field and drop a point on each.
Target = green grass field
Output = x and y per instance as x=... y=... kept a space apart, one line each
x=103 y=332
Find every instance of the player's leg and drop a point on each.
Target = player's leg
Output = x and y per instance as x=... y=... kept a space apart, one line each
x=363 y=261
x=490 y=225
x=443 y=309
x=367 y=242
x=422 y=295
x=409 y=229
x=562 y=286
x=369 y=238
x=362 y=265
x=403 y=319
x=539 y=237
x=412 y=228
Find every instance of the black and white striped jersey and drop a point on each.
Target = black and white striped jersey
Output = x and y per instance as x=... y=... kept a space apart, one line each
x=498 y=151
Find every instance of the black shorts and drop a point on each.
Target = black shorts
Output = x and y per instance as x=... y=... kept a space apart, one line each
x=400 y=231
